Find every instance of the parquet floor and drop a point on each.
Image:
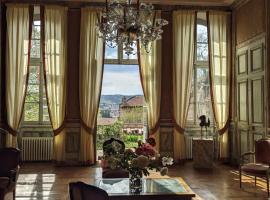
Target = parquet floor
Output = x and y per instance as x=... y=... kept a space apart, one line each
x=44 y=181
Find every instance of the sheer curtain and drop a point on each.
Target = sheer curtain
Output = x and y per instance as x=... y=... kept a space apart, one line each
x=220 y=69
x=183 y=53
x=150 y=71
x=91 y=70
x=19 y=28
x=55 y=63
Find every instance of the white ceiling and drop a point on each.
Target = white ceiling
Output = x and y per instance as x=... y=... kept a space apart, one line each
x=177 y=2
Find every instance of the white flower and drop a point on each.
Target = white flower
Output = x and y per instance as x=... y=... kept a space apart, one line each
x=167 y=161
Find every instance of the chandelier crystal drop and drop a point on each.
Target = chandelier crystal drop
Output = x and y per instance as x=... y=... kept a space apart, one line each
x=124 y=23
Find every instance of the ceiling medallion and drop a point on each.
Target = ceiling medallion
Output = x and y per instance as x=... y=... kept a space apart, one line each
x=124 y=23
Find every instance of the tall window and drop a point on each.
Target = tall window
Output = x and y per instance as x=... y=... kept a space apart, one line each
x=200 y=100
x=35 y=108
x=122 y=109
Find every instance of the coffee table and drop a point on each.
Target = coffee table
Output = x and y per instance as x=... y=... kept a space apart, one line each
x=152 y=188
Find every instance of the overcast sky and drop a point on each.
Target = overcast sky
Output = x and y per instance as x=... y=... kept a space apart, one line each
x=121 y=79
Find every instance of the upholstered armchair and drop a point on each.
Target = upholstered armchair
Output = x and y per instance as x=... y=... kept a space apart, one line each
x=109 y=151
x=9 y=168
x=82 y=191
x=261 y=166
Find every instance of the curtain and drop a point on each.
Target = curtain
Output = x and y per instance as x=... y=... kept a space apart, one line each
x=55 y=64
x=220 y=69
x=19 y=28
x=183 y=53
x=150 y=72
x=91 y=70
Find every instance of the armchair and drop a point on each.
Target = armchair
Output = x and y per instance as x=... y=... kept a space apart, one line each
x=83 y=191
x=10 y=158
x=261 y=166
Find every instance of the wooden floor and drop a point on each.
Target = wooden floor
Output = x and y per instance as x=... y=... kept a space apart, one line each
x=44 y=181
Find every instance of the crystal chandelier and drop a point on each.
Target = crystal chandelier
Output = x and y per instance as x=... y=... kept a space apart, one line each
x=124 y=23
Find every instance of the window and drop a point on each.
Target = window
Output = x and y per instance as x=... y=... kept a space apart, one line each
x=200 y=100
x=122 y=112
x=117 y=55
x=35 y=107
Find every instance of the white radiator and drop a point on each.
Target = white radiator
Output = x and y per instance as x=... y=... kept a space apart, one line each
x=188 y=146
x=37 y=148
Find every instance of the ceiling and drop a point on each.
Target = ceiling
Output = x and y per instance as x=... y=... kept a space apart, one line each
x=177 y=2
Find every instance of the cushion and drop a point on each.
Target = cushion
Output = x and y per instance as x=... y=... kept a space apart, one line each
x=255 y=168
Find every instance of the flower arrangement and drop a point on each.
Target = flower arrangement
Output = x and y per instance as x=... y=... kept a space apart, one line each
x=138 y=162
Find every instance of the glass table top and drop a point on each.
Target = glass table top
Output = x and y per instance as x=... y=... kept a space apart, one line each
x=150 y=186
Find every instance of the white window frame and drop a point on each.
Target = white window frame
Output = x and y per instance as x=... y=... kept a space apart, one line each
x=198 y=64
x=37 y=62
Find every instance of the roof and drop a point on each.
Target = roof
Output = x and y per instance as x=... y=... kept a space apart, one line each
x=133 y=101
x=106 y=121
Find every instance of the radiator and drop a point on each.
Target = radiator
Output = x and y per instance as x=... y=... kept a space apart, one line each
x=188 y=140
x=37 y=148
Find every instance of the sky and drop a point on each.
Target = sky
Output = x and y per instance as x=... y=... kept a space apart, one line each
x=121 y=79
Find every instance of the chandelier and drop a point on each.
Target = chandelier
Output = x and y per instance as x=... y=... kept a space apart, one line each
x=124 y=23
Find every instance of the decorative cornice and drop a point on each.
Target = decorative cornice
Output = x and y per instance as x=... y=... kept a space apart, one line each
x=238 y=3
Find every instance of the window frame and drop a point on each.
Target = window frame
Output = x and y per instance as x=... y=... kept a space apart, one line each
x=120 y=58
x=37 y=62
x=198 y=64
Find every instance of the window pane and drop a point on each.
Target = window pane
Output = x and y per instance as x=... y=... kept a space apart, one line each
x=203 y=93
x=132 y=56
x=36 y=32
x=111 y=53
x=202 y=52
x=45 y=112
x=32 y=89
x=202 y=34
x=34 y=75
x=32 y=97
x=35 y=48
x=191 y=114
x=31 y=112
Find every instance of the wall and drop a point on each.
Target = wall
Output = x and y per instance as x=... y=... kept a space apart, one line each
x=250 y=20
x=250 y=70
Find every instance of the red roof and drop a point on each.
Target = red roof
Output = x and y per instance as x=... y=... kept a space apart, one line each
x=106 y=121
x=133 y=101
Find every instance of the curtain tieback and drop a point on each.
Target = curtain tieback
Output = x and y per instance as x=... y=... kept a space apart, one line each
x=225 y=128
x=155 y=128
x=10 y=130
x=178 y=128
x=86 y=127
x=60 y=129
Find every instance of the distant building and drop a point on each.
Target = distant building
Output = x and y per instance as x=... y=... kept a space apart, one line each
x=132 y=114
x=106 y=121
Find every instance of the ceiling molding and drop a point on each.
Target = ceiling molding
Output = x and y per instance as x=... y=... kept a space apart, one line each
x=238 y=3
x=210 y=3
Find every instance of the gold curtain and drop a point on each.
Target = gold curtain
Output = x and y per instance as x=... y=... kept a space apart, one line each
x=183 y=54
x=220 y=69
x=150 y=71
x=91 y=70
x=55 y=64
x=19 y=18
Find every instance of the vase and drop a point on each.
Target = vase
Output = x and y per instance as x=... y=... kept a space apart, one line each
x=135 y=181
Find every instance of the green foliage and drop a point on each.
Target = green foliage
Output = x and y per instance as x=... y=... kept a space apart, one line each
x=132 y=115
x=105 y=132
